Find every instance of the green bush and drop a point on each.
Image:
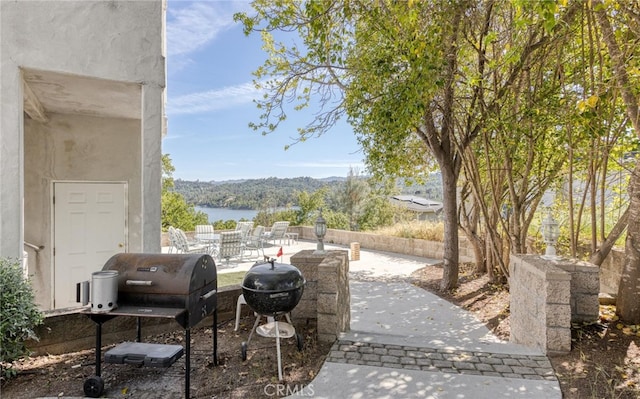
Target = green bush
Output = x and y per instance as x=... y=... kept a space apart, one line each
x=18 y=314
x=335 y=220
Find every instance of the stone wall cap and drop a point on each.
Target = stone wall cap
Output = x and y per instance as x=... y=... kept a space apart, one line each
x=546 y=267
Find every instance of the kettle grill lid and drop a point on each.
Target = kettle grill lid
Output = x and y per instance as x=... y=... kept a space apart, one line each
x=271 y=276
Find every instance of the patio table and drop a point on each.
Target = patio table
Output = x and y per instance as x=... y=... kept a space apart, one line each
x=207 y=237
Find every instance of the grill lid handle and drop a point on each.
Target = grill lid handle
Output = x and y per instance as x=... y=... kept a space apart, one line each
x=139 y=282
x=208 y=295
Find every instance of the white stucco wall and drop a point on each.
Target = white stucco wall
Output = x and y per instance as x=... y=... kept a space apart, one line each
x=120 y=41
x=116 y=40
x=76 y=147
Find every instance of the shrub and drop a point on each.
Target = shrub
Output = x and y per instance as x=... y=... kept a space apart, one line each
x=335 y=220
x=18 y=314
x=425 y=230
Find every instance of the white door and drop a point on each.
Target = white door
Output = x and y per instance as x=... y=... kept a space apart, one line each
x=89 y=227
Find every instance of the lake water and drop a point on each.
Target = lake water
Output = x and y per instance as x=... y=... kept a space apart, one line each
x=225 y=214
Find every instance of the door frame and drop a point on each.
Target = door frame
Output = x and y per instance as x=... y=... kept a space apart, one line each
x=53 y=226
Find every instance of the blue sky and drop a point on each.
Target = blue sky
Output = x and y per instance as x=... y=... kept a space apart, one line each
x=210 y=104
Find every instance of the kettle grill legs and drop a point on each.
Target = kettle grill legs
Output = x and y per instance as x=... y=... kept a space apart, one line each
x=299 y=342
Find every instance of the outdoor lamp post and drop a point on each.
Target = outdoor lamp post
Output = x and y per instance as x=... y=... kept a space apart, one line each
x=320 y=229
x=550 y=234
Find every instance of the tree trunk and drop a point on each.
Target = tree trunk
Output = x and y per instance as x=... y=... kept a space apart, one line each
x=601 y=253
x=491 y=270
x=627 y=304
x=450 y=212
x=479 y=253
x=469 y=223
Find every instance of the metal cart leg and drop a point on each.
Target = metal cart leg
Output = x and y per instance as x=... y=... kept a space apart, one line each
x=215 y=337
x=187 y=372
x=98 y=348
x=139 y=329
x=94 y=386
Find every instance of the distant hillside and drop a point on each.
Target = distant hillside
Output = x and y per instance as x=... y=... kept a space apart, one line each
x=251 y=193
x=280 y=193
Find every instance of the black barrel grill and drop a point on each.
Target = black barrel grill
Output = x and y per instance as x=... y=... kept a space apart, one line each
x=182 y=287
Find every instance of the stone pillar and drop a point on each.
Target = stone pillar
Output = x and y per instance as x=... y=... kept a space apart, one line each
x=326 y=299
x=539 y=304
x=546 y=296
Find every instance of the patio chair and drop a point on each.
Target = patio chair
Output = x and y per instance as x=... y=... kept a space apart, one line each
x=230 y=246
x=278 y=232
x=254 y=241
x=189 y=247
x=205 y=235
x=245 y=228
x=204 y=229
x=174 y=246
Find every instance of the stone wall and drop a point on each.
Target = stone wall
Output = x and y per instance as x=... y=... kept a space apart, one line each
x=546 y=296
x=408 y=246
x=326 y=299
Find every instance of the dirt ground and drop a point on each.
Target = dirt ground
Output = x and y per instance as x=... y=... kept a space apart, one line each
x=604 y=361
x=257 y=376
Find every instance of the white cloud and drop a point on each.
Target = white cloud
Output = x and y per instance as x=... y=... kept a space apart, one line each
x=213 y=100
x=194 y=26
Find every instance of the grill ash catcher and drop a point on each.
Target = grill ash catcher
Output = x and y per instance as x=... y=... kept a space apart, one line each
x=273 y=289
x=182 y=287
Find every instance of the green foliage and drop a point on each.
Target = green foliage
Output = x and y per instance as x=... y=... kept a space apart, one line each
x=335 y=220
x=308 y=206
x=19 y=314
x=175 y=211
x=354 y=197
x=266 y=218
x=167 y=172
x=401 y=64
x=224 y=224
x=377 y=212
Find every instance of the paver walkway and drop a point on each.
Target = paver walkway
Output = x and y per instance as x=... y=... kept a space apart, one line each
x=405 y=342
x=532 y=367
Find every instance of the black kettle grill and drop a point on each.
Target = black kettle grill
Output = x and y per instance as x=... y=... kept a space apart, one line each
x=273 y=289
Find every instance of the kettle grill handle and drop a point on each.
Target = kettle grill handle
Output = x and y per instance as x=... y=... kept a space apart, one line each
x=139 y=282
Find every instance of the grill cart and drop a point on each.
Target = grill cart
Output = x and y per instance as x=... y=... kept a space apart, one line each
x=181 y=287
